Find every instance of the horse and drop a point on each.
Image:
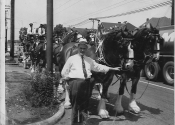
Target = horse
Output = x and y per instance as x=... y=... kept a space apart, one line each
x=146 y=44
x=39 y=53
x=71 y=37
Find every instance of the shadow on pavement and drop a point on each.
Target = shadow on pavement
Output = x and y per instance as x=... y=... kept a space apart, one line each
x=95 y=119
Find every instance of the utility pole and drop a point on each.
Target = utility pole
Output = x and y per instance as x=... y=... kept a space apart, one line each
x=172 y=13
x=49 y=48
x=93 y=19
x=6 y=30
x=12 y=28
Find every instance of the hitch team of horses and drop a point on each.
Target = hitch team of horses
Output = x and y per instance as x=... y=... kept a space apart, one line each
x=112 y=49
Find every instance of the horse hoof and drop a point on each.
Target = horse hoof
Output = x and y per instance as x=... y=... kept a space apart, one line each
x=103 y=114
x=133 y=107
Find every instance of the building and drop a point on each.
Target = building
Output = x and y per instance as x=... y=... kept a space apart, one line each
x=107 y=27
x=158 y=22
x=83 y=31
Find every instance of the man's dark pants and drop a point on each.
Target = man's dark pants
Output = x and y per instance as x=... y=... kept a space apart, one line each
x=80 y=92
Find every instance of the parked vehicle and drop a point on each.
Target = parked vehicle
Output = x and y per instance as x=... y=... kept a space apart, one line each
x=165 y=65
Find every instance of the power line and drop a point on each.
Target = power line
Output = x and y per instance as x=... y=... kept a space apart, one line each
x=80 y=23
x=62 y=5
x=130 y=12
x=61 y=10
x=101 y=10
x=139 y=10
x=67 y=7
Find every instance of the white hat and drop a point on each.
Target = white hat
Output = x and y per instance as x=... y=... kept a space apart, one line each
x=79 y=36
x=82 y=41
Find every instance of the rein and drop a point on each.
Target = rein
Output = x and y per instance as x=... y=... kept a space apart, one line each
x=147 y=82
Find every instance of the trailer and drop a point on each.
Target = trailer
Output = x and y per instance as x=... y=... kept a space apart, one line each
x=164 y=67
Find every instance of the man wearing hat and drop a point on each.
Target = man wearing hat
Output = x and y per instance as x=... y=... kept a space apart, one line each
x=77 y=72
x=30 y=31
x=41 y=32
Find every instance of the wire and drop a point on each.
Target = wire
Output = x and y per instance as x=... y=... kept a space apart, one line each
x=61 y=10
x=100 y=11
x=67 y=7
x=62 y=5
x=81 y=23
x=139 y=10
x=131 y=12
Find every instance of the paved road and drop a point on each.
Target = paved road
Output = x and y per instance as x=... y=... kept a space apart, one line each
x=157 y=105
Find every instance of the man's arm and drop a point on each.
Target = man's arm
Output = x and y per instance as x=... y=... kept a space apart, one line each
x=102 y=68
x=66 y=69
x=44 y=31
x=39 y=31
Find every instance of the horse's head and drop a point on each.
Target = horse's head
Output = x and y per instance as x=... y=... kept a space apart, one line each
x=146 y=42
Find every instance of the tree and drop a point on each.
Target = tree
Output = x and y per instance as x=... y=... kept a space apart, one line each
x=59 y=30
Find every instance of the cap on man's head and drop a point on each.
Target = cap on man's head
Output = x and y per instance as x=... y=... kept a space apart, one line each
x=79 y=36
x=31 y=24
x=83 y=41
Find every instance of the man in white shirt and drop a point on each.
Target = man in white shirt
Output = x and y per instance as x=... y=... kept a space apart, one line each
x=30 y=31
x=77 y=72
x=41 y=32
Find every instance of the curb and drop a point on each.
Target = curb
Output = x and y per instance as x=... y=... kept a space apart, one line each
x=52 y=120
x=11 y=63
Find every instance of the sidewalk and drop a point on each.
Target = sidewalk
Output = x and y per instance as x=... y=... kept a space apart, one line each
x=16 y=77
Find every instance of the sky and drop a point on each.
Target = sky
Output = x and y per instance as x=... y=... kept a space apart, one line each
x=70 y=12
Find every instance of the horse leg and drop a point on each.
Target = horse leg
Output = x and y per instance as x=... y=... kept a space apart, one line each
x=118 y=104
x=100 y=89
x=32 y=62
x=102 y=112
x=67 y=103
x=132 y=102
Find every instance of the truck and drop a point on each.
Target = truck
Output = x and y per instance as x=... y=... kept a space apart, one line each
x=164 y=67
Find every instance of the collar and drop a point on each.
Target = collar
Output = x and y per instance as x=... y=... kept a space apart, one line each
x=81 y=55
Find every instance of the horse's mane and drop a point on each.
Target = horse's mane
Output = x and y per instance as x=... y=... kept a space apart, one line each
x=114 y=40
x=68 y=38
x=115 y=47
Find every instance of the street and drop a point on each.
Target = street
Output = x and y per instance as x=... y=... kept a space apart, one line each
x=157 y=106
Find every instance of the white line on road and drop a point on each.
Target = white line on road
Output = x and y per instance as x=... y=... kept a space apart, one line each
x=157 y=85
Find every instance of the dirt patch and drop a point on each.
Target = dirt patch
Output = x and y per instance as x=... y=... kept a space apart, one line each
x=19 y=108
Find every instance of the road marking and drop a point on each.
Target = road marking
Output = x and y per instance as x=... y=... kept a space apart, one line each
x=157 y=85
